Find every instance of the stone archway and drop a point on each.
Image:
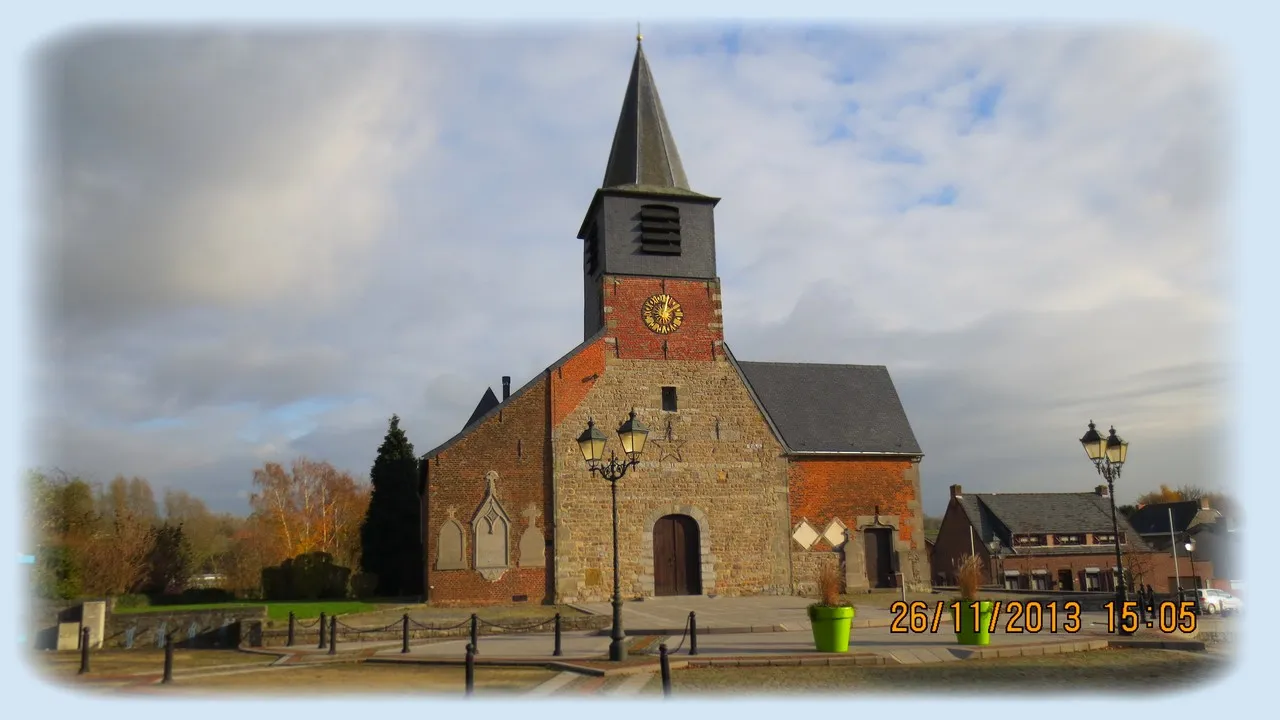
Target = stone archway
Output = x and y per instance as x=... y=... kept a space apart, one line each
x=706 y=559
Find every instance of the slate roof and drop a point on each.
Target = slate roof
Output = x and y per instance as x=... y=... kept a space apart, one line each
x=1154 y=518
x=817 y=408
x=488 y=401
x=1001 y=515
x=515 y=394
x=644 y=151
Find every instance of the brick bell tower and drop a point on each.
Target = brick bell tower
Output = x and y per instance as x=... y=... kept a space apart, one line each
x=649 y=251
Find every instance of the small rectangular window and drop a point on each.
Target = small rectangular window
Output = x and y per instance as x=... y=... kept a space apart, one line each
x=669 y=399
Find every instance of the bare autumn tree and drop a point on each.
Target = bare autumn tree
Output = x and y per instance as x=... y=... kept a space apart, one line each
x=1138 y=564
x=311 y=507
x=205 y=533
x=1164 y=495
x=117 y=556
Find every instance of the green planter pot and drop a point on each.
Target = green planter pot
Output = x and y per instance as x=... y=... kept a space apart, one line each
x=831 y=627
x=966 y=633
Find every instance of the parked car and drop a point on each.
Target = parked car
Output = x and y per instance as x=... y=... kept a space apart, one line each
x=1212 y=601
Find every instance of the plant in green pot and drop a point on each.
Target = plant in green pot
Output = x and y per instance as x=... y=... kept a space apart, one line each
x=971 y=614
x=831 y=619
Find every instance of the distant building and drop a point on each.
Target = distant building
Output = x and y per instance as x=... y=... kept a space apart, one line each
x=1163 y=525
x=1052 y=541
x=206 y=581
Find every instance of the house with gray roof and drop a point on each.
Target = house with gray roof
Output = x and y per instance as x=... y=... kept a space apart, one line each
x=1050 y=541
x=756 y=474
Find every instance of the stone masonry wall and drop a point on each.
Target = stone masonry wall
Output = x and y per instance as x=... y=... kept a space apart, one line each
x=511 y=443
x=853 y=490
x=722 y=466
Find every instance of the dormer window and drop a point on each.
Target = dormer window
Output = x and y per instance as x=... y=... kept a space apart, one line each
x=660 y=229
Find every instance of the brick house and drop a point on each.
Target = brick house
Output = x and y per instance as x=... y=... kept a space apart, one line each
x=1048 y=541
x=1161 y=525
x=755 y=473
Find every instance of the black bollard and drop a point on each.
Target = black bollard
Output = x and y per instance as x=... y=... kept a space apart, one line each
x=693 y=633
x=84 y=651
x=471 y=669
x=557 y=650
x=322 y=628
x=168 y=661
x=475 y=634
x=291 y=619
x=404 y=632
x=333 y=634
x=665 y=662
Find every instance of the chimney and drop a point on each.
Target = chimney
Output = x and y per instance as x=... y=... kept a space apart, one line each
x=1101 y=490
x=506 y=387
x=1204 y=503
x=956 y=490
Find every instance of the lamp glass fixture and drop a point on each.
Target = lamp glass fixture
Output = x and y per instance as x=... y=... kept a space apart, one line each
x=591 y=443
x=633 y=435
x=1093 y=442
x=1117 y=449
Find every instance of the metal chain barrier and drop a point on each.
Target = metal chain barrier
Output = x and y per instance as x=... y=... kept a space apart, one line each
x=682 y=638
x=517 y=628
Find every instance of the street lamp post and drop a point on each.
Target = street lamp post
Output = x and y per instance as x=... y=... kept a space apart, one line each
x=632 y=434
x=1108 y=455
x=1190 y=546
x=994 y=547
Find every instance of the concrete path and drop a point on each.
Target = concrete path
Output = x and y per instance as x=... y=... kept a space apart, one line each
x=722 y=613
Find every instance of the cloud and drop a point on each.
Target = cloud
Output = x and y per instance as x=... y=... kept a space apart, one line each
x=263 y=244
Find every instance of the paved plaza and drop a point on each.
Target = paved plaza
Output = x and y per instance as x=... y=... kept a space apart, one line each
x=750 y=628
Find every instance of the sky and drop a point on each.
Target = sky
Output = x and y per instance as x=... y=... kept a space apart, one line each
x=255 y=245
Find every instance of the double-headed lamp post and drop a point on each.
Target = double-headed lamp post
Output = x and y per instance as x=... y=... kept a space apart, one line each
x=632 y=434
x=1108 y=455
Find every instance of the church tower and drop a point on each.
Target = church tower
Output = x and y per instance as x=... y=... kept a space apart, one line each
x=649 y=253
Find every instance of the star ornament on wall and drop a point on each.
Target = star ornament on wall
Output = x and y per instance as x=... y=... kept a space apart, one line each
x=668 y=446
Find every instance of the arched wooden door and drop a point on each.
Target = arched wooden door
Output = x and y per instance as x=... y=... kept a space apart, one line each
x=677 y=556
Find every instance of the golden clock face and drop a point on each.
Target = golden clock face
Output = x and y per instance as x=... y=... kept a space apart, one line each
x=662 y=314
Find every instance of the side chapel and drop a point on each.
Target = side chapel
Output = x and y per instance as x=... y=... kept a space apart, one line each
x=755 y=473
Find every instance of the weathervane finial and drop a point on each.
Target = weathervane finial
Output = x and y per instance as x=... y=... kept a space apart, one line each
x=639 y=37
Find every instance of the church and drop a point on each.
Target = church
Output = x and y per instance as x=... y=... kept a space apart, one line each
x=755 y=474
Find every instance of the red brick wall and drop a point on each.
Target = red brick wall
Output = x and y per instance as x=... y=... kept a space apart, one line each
x=699 y=337
x=1157 y=569
x=571 y=382
x=952 y=544
x=514 y=444
x=822 y=489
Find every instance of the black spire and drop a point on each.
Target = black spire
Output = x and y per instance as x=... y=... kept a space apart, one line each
x=644 y=152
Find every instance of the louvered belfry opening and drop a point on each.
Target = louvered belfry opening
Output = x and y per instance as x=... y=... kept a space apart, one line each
x=592 y=260
x=660 y=229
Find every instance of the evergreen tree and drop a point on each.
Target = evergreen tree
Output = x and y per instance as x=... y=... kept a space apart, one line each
x=391 y=546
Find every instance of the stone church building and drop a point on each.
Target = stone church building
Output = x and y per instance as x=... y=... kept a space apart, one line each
x=755 y=473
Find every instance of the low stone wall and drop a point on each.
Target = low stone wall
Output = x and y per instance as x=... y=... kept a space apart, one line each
x=190 y=628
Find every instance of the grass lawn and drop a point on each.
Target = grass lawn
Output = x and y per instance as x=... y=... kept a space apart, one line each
x=1135 y=671
x=275 y=610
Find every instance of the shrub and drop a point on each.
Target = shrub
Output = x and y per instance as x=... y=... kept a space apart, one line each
x=132 y=601
x=364 y=585
x=969 y=577
x=829 y=585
